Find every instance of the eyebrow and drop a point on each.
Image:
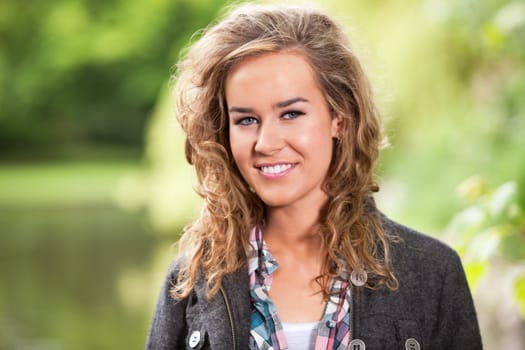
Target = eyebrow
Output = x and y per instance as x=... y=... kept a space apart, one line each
x=281 y=104
x=289 y=102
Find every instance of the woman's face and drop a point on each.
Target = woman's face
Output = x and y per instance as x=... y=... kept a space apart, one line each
x=281 y=129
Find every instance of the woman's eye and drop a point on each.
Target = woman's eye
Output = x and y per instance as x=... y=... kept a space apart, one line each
x=292 y=115
x=246 y=121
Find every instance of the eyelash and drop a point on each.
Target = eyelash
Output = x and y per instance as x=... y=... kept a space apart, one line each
x=288 y=115
x=244 y=121
x=295 y=113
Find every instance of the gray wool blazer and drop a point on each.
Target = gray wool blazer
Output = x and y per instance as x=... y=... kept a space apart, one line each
x=432 y=309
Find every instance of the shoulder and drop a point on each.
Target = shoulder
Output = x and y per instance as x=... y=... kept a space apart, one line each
x=175 y=267
x=172 y=275
x=178 y=266
x=170 y=280
x=410 y=245
x=422 y=262
x=168 y=327
x=433 y=302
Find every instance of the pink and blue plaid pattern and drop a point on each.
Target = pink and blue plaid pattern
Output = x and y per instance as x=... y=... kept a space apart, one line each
x=266 y=328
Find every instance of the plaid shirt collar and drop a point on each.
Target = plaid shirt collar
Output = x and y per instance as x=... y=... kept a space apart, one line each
x=266 y=330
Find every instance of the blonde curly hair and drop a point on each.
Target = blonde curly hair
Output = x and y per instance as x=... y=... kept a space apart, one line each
x=216 y=243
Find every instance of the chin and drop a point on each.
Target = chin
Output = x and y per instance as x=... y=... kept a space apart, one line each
x=276 y=202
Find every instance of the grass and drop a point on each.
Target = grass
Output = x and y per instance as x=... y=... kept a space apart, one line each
x=60 y=183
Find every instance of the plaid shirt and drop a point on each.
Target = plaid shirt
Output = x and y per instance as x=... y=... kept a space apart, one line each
x=266 y=329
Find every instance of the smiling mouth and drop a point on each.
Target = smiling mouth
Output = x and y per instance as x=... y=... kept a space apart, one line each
x=277 y=169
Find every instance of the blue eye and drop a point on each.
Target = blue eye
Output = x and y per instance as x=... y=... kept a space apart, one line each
x=291 y=115
x=246 y=121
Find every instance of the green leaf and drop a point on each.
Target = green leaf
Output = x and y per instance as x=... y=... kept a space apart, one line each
x=519 y=293
x=513 y=246
x=472 y=188
x=474 y=272
x=502 y=198
x=483 y=246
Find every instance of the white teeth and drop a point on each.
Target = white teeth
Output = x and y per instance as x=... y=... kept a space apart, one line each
x=276 y=169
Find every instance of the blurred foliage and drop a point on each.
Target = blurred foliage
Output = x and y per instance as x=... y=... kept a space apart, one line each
x=164 y=184
x=57 y=184
x=449 y=77
x=491 y=228
x=87 y=71
x=78 y=80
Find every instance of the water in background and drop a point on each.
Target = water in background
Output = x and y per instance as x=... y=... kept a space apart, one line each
x=76 y=278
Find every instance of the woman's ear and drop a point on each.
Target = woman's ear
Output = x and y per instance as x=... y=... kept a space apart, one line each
x=337 y=125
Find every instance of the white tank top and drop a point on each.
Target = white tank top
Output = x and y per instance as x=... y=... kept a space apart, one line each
x=300 y=336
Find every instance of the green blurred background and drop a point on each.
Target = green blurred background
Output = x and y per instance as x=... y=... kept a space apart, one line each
x=94 y=189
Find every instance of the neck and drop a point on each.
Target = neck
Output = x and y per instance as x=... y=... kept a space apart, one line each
x=292 y=232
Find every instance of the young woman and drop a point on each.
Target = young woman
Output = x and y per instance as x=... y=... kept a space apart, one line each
x=289 y=251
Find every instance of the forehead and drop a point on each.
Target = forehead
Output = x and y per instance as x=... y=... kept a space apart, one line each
x=276 y=75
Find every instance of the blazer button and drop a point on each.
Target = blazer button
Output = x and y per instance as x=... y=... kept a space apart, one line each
x=358 y=277
x=357 y=344
x=412 y=344
x=195 y=337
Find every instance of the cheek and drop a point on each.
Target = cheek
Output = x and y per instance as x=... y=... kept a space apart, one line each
x=240 y=149
x=316 y=141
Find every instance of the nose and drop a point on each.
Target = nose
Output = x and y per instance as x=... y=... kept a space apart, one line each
x=269 y=139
